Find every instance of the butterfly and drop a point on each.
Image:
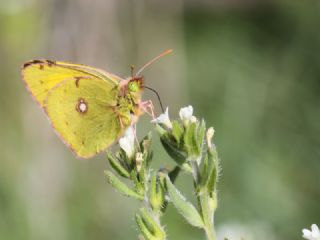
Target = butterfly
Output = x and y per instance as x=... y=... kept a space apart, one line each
x=89 y=108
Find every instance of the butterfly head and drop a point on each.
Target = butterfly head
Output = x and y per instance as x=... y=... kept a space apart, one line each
x=133 y=85
x=136 y=84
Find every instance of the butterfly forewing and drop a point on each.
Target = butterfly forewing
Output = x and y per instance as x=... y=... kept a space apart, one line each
x=41 y=76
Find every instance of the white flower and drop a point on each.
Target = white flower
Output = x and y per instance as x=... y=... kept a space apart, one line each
x=186 y=113
x=127 y=142
x=163 y=119
x=314 y=234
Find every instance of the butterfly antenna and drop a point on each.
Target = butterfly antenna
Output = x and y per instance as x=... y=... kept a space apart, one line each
x=132 y=71
x=151 y=89
x=153 y=60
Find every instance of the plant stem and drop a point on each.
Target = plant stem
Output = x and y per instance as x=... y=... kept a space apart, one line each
x=207 y=215
x=204 y=200
x=161 y=235
x=210 y=233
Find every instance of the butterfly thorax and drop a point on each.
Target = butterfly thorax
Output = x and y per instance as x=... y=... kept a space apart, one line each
x=129 y=99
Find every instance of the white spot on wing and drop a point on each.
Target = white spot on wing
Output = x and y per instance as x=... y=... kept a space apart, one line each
x=82 y=107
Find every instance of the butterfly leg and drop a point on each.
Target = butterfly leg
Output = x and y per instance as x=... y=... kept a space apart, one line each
x=134 y=127
x=121 y=123
x=147 y=107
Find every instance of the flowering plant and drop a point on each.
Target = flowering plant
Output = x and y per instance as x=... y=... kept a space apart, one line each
x=189 y=144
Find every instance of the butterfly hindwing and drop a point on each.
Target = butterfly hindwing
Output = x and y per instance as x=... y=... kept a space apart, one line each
x=82 y=111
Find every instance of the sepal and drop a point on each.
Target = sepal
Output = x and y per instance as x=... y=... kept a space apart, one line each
x=121 y=186
x=118 y=165
x=209 y=171
x=156 y=194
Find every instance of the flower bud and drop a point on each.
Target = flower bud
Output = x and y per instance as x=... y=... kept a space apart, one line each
x=209 y=136
x=139 y=160
x=186 y=113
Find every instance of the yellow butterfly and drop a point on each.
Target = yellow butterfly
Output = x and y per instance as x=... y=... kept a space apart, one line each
x=89 y=108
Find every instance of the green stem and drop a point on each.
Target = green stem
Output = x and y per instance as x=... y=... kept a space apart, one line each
x=157 y=229
x=207 y=215
x=204 y=200
x=210 y=233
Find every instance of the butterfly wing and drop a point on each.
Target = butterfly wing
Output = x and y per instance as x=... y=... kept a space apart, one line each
x=83 y=114
x=41 y=76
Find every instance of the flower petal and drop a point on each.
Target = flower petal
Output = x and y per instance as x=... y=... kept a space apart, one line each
x=163 y=119
x=306 y=234
x=127 y=142
x=315 y=230
x=186 y=113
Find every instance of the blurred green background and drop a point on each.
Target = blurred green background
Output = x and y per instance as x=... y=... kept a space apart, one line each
x=251 y=68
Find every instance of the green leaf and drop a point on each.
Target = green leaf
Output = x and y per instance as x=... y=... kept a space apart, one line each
x=213 y=177
x=141 y=176
x=175 y=153
x=195 y=172
x=148 y=158
x=185 y=208
x=117 y=166
x=177 y=131
x=204 y=170
x=150 y=229
x=209 y=171
x=121 y=154
x=143 y=228
x=151 y=224
x=121 y=186
x=200 y=135
x=160 y=130
x=174 y=173
x=190 y=140
x=139 y=185
x=156 y=195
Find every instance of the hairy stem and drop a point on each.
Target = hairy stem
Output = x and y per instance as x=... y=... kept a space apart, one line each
x=207 y=215
x=204 y=202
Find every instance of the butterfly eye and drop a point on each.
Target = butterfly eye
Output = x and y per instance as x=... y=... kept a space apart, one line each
x=133 y=86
